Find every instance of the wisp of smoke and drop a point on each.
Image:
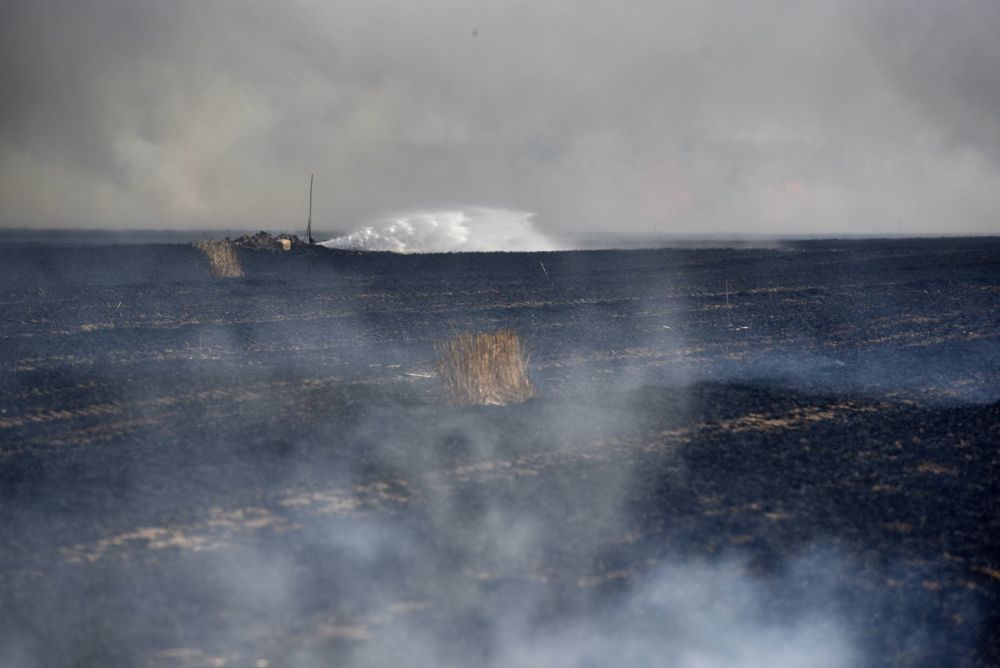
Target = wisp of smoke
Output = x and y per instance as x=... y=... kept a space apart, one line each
x=473 y=229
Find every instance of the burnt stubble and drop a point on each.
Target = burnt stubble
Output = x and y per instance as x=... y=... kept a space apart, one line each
x=265 y=470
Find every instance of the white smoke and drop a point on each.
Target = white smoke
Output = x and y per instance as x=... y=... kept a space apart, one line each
x=474 y=229
x=690 y=615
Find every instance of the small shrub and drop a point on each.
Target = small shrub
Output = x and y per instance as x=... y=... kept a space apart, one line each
x=221 y=258
x=485 y=368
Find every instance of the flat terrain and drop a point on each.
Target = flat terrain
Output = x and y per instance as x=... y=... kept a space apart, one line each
x=781 y=456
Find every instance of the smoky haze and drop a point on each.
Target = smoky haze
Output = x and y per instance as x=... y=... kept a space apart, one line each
x=642 y=118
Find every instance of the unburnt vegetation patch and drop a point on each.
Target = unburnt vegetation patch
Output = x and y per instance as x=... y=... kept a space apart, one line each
x=222 y=258
x=487 y=368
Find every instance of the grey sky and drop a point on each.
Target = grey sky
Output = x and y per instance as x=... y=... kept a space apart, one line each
x=636 y=117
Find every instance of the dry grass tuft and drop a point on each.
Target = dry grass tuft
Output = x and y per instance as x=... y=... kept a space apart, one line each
x=485 y=368
x=221 y=258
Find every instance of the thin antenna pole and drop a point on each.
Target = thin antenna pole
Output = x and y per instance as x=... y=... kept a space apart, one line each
x=309 y=225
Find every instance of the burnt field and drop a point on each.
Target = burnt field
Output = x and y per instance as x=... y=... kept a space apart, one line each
x=779 y=456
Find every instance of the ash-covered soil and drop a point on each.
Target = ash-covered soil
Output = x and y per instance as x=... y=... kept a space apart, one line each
x=761 y=457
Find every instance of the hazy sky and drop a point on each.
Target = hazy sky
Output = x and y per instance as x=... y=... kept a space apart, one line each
x=641 y=116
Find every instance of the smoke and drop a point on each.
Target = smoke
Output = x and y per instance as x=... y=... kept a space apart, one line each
x=497 y=562
x=680 y=116
x=448 y=231
x=688 y=614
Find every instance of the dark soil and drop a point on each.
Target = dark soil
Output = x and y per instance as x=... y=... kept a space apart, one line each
x=199 y=471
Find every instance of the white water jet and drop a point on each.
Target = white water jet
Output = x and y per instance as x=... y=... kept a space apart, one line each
x=473 y=229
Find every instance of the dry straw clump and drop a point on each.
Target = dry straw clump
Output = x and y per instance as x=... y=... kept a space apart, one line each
x=221 y=258
x=485 y=368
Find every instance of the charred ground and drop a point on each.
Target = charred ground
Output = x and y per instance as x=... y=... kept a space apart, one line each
x=833 y=404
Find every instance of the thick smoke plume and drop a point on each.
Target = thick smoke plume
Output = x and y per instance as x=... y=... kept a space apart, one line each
x=663 y=117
